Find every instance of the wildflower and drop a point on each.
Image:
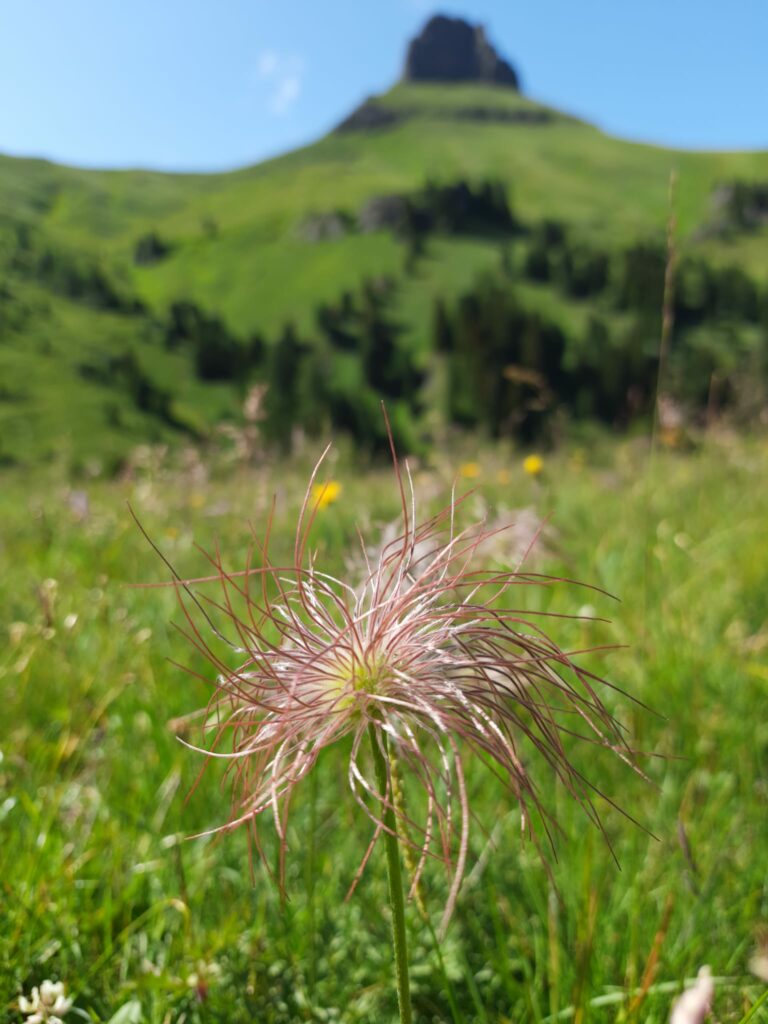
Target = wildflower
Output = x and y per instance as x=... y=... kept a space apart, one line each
x=533 y=465
x=758 y=965
x=17 y=631
x=758 y=962
x=325 y=494
x=78 y=504
x=470 y=470
x=522 y=537
x=47 y=1003
x=420 y=658
x=695 y=1003
x=201 y=979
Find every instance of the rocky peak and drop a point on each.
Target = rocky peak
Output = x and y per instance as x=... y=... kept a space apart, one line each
x=453 y=50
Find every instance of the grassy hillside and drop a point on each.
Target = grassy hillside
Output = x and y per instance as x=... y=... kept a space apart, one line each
x=236 y=247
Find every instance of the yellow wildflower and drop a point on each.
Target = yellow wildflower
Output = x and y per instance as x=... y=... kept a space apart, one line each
x=533 y=464
x=470 y=470
x=325 y=494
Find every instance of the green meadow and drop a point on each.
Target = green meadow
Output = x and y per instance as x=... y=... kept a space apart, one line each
x=101 y=885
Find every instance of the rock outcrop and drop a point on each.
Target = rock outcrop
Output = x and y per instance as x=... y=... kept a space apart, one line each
x=452 y=50
x=382 y=213
x=369 y=116
x=323 y=227
x=737 y=207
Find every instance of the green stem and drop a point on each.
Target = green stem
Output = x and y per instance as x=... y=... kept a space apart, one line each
x=396 y=900
x=311 y=872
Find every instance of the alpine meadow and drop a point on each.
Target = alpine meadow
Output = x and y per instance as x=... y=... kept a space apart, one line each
x=384 y=574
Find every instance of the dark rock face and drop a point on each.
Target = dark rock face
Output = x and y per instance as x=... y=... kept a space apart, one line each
x=323 y=227
x=367 y=117
x=737 y=207
x=371 y=116
x=452 y=50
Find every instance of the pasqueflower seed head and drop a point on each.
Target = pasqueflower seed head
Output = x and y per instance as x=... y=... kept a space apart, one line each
x=424 y=652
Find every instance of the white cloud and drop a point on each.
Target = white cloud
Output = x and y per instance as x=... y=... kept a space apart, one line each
x=284 y=76
x=285 y=95
x=267 y=63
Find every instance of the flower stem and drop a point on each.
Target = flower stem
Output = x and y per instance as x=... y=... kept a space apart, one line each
x=311 y=872
x=396 y=900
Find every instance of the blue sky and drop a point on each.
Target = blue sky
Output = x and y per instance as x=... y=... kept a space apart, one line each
x=213 y=84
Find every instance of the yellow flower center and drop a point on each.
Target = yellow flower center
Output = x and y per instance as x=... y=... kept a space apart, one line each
x=351 y=676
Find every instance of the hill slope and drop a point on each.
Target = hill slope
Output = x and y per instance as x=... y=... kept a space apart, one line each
x=237 y=246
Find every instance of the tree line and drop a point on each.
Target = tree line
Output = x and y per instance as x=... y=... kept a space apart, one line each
x=503 y=367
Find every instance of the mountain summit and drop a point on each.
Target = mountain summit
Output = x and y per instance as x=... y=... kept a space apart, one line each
x=453 y=50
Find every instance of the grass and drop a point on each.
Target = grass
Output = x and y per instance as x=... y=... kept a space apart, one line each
x=49 y=412
x=98 y=888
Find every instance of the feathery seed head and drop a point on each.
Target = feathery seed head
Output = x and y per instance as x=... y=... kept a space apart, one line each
x=427 y=651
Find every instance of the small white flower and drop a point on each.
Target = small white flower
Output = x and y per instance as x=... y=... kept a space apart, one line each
x=694 y=1004
x=47 y=1004
x=17 y=631
x=206 y=974
x=758 y=964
